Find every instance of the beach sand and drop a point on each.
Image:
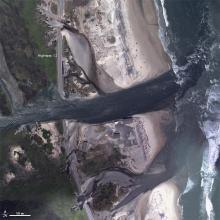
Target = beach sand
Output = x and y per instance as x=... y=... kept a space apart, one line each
x=142 y=36
x=124 y=36
x=160 y=203
x=153 y=125
x=157 y=204
x=136 y=54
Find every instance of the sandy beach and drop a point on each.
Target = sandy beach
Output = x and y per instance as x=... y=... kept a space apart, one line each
x=143 y=41
x=124 y=37
x=134 y=54
x=157 y=204
x=160 y=203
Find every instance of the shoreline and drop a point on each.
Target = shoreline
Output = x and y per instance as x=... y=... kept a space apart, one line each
x=126 y=46
x=128 y=63
x=121 y=42
x=158 y=203
x=143 y=40
x=148 y=60
x=134 y=54
x=161 y=201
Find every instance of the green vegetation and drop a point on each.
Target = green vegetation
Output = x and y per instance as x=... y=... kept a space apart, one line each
x=46 y=134
x=19 y=50
x=104 y=197
x=37 y=34
x=61 y=204
x=80 y=215
x=48 y=146
x=47 y=187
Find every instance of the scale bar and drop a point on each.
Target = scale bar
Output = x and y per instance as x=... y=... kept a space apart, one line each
x=20 y=215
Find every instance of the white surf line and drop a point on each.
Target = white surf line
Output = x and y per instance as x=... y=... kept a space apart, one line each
x=164 y=13
x=208 y=174
x=208 y=171
x=166 y=41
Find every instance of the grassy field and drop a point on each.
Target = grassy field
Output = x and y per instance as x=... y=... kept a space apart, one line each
x=37 y=33
x=61 y=205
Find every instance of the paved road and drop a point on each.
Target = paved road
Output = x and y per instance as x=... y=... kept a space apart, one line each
x=60 y=83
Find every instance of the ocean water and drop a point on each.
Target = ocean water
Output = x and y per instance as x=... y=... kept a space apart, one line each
x=191 y=32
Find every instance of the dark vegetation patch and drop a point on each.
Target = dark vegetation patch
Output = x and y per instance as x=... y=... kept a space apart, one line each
x=74 y=80
x=95 y=160
x=5 y=108
x=47 y=186
x=105 y=195
x=23 y=38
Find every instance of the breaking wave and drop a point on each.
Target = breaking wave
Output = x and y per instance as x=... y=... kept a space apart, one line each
x=207 y=98
x=189 y=186
x=211 y=129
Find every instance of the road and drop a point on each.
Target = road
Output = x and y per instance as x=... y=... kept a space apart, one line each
x=60 y=82
x=9 y=84
x=60 y=85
